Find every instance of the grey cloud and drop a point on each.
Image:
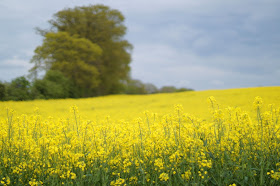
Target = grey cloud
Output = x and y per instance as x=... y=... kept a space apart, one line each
x=166 y=65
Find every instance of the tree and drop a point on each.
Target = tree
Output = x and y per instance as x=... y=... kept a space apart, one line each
x=18 y=89
x=150 y=88
x=102 y=26
x=135 y=86
x=168 y=89
x=2 y=91
x=53 y=85
x=77 y=58
x=183 y=89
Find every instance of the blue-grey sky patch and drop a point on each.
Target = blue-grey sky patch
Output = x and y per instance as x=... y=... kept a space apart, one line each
x=196 y=44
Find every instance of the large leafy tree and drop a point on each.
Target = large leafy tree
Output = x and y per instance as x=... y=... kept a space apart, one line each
x=77 y=58
x=104 y=27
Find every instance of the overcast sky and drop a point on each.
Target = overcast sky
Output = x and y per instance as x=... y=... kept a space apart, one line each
x=197 y=44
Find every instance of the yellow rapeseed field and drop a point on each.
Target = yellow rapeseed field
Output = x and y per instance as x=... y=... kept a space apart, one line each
x=129 y=107
x=215 y=137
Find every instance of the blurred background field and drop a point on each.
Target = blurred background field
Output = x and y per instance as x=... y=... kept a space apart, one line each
x=128 y=107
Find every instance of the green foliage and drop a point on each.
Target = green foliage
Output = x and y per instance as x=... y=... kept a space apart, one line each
x=170 y=89
x=18 y=89
x=183 y=89
x=150 y=88
x=53 y=85
x=77 y=58
x=2 y=91
x=135 y=87
x=71 y=46
x=60 y=46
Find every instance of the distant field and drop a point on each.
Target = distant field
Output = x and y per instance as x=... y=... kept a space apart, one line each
x=216 y=137
x=128 y=107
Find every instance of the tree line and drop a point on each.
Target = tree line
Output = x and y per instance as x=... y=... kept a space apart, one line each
x=55 y=86
x=83 y=54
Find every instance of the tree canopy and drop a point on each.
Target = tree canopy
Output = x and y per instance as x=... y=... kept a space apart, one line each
x=76 y=58
x=87 y=45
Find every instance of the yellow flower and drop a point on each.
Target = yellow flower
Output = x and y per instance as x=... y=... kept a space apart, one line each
x=159 y=163
x=163 y=177
x=212 y=102
x=8 y=181
x=33 y=182
x=73 y=176
x=117 y=182
x=186 y=175
x=258 y=102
